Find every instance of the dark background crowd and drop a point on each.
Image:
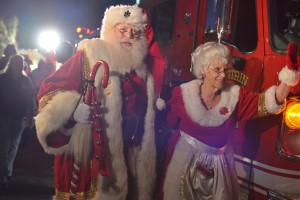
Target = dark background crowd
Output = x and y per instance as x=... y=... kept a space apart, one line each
x=19 y=85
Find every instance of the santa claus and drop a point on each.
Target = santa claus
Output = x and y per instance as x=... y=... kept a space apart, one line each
x=116 y=160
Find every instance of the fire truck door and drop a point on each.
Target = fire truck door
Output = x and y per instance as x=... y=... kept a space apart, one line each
x=185 y=18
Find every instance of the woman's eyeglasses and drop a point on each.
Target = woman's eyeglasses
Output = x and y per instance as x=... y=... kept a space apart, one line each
x=219 y=70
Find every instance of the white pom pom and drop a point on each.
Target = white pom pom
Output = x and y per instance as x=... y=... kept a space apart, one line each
x=160 y=104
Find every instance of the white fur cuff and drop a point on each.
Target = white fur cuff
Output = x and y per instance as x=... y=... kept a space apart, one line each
x=270 y=101
x=290 y=77
x=54 y=115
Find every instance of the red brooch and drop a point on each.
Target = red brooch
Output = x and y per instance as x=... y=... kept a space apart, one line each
x=223 y=111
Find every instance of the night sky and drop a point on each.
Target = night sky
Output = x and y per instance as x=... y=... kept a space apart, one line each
x=61 y=15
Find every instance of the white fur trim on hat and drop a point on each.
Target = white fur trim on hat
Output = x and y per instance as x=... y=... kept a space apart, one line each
x=290 y=77
x=123 y=14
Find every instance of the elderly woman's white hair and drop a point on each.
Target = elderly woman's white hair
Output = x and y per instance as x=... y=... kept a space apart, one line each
x=207 y=53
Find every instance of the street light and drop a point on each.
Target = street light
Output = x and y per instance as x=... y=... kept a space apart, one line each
x=82 y=31
x=48 y=40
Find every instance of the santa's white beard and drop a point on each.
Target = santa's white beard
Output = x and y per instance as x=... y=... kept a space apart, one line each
x=123 y=59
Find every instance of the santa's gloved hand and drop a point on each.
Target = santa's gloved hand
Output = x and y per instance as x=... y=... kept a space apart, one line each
x=82 y=113
x=291 y=56
x=289 y=74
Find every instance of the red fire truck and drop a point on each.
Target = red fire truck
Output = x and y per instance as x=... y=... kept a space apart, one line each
x=267 y=151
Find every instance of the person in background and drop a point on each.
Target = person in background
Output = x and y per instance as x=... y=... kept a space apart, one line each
x=16 y=104
x=9 y=50
x=50 y=61
x=39 y=74
x=29 y=131
x=115 y=156
x=27 y=62
x=203 y=114
x=63 y=51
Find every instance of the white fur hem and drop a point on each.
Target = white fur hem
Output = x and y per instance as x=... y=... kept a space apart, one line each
x=290 y=77
x=270 y=101
x=53 y=116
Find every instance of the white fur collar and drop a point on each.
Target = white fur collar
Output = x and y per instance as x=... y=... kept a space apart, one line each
x=216 y=116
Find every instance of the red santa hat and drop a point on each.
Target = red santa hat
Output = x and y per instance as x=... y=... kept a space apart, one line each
x=157 y=64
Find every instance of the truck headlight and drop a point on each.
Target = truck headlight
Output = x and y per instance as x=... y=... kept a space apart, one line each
x=288 y=143
x=292 y=115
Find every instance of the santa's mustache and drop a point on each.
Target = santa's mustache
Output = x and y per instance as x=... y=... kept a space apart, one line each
x=127 y=40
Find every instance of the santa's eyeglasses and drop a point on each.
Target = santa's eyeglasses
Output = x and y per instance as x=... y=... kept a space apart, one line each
x=129 y=31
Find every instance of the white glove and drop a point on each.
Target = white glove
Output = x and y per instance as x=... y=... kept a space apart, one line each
x=82 y=113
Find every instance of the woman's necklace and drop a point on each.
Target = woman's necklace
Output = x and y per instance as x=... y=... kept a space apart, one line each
x=208 y=104
x=204 y=104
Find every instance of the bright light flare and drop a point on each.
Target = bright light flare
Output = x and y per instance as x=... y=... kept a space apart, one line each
x=48 y=40
x=292 y=115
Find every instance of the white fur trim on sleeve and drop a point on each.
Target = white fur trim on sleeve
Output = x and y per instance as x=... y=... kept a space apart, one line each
x=270 y=101
x=290 y=77
x=54 y=116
